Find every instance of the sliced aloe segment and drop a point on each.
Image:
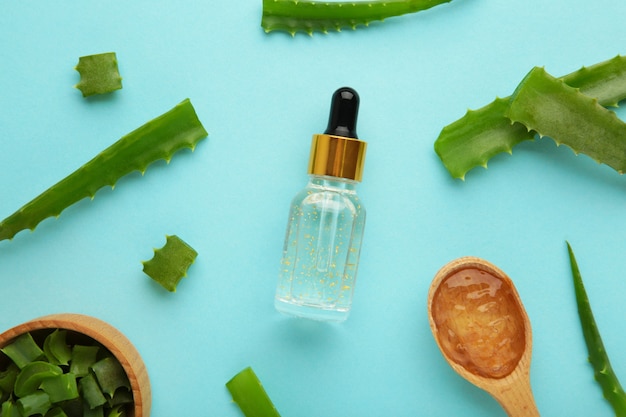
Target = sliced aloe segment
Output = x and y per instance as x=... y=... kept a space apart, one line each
x=250 y=396
x=83 y=357
x=110 y=375
x=23 y=350
x=56 y=349
x=60 y=388
x=31 y=376
x=550 y=107
x=91 y=392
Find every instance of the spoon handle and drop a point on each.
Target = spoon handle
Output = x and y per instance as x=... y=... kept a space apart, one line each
x=517 y=400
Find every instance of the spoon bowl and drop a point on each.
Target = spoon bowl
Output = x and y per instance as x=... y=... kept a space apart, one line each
x=482 y=329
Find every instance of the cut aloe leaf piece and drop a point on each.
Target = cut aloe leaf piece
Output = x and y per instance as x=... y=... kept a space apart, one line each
x=56 y=349
x=99 y=74
x=91 y=392
x=550 y=107
x=95 y=412
x=116 y=412
x=110 y=375
x=7 y=381
x=83 y=357
x=120 y=397
x=31 y=376
x=56 y=412
x=158 y=139
x=322 y=16
x=60 y=388
x=33 y=404
x=481 y=134
x=249 y=394
x=9 y=409
x=170 y=263
x=477 y=137
x=23 y=350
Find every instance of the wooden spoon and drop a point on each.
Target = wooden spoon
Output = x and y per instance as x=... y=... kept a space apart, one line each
x=483 y=331
x=100 y=331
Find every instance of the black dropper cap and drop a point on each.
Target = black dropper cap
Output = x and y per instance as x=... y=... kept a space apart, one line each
x=344 y=109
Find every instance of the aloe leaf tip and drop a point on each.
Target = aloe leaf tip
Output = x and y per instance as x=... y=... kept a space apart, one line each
x=598 y=357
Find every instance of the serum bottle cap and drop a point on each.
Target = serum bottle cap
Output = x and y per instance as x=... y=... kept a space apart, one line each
x=338 y=152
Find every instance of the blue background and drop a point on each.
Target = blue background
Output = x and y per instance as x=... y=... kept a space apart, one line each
x=261 y=97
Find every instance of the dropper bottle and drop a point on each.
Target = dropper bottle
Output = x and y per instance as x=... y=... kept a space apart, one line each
x=326 y=221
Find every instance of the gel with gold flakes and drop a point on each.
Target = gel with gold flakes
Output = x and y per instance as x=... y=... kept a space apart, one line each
x=481 y=327
x=326 y=221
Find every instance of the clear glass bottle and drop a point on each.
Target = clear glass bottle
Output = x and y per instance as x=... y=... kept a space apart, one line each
x=326 y=222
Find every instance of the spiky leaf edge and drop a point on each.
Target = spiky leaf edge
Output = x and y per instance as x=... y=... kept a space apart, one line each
x=158 y=139
x=548 y=106
x=309 y=16
x=598 y=357
x=479 y=135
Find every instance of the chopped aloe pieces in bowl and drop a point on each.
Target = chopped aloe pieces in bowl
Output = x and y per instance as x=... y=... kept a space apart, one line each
x=91 y=344
x=38 y=376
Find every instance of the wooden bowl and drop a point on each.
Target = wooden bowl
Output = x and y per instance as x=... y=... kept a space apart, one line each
x=81 y=327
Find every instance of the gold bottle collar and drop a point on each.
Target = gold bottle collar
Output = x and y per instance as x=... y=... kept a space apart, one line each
x=337 y=156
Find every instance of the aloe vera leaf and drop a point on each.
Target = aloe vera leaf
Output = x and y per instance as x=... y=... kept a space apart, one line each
x=116 y=412
x=249 y=394
x=310 y=16
x=60 y=387
x=56 y=412
x=83 y=357
x=99 y=74
x=95 y=412
x=605 y=81
x=478 y=136
x=110 y=375
x=30 y=377
x=9 y=409
x=170 y=263
x=55 y=348
x=7 y=379
x=598 y=357
x=551 y=108
x=73 y=408
x=120 y=398
x=23 y=350
x=35 y=403
x=91 y=392
x=158 y=139
x=481 y=134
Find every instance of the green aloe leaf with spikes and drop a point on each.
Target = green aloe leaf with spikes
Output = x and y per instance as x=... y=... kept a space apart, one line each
x=158 y=139
x=479 y=135
x=599 y=359
x=322 y=16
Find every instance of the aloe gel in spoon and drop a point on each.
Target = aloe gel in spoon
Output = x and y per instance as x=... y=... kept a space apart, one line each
x=326 y=221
